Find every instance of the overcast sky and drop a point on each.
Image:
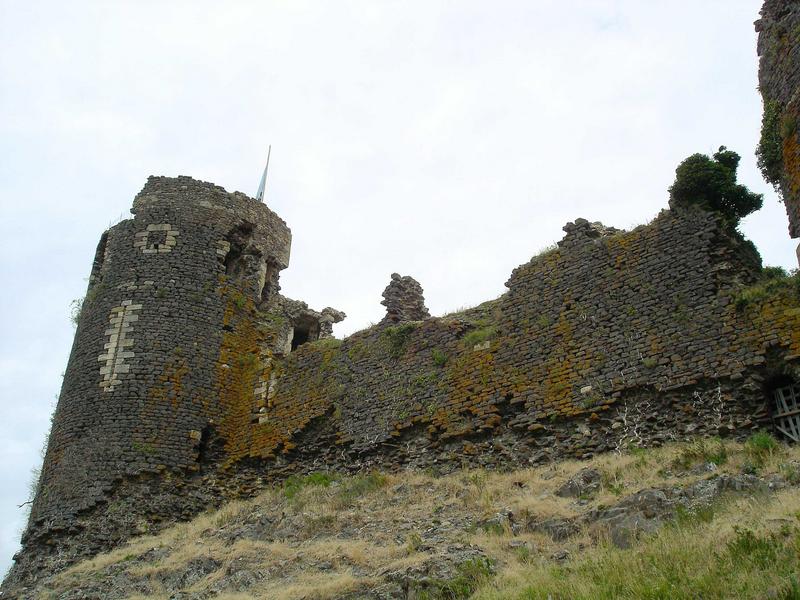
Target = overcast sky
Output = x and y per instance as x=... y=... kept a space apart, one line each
x=445 y=140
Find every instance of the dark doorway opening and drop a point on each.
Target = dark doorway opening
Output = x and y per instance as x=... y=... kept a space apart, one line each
x=211 y=447
x=300 y=337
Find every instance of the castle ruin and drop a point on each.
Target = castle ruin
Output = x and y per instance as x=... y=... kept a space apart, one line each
x=193 y=381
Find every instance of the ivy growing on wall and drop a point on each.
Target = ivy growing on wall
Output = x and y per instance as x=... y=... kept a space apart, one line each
x=770 y=147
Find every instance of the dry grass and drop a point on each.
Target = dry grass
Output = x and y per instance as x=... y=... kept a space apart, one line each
x=316 y=586
x=335 y=535
x=696 y=561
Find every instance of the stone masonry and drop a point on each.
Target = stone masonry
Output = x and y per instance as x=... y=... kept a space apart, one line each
x=188 y=385
x=141 y=377
x=142 y=382
x=618 y=336
x=779 y=83
x=403 y=300
x=193 y=381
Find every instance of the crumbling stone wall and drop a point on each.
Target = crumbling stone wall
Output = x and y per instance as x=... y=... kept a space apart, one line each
x=180 y=391
x=296 y=324
x=779 y=82
x=152 y=352
x=403 y=300
x=621 y=335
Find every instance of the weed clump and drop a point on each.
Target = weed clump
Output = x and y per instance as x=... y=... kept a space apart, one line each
x=396 y=338
x=295 y=483
x=478 y=336
x=650 y=362
x=439 y=358
x=770 y=146
x=774 y=281
x=77 y=305
x=470 y=575
x=701 y=451
x=760 y=446
x=357 y=486
x=329 y=343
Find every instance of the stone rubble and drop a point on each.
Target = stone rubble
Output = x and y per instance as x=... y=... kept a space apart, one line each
x=404 y=301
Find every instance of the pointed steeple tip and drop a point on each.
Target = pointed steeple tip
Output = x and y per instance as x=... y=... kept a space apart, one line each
x=263 y=184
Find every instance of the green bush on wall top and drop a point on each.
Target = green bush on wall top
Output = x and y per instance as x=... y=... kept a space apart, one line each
x=711 y=184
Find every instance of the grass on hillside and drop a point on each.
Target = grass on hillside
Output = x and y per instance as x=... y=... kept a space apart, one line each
x=328 y=536
x=751 y=549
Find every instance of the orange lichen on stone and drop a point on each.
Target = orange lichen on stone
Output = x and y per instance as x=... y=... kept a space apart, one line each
x=791 y=161
x=298 y=400
x=573 y=334
x=237 y=370
x=170 y=387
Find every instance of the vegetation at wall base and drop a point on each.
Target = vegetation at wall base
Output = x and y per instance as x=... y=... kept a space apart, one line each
x=681 y=562
x=486 y=535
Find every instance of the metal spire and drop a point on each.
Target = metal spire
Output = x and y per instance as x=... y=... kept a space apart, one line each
x=262 y=186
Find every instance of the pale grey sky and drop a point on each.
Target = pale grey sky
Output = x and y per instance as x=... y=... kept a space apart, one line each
x=445 y=140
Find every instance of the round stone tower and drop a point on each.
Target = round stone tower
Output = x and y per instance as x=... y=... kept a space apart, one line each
x=155 y=348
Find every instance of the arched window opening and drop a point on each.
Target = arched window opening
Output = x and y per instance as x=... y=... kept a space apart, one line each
x=300 y=337
x=305 y=329
x=271 y=286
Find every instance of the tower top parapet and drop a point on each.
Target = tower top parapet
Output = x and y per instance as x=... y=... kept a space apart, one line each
x=214 y=204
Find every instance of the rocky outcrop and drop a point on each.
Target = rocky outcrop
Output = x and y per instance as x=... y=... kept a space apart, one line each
x=649 y=509
x=583 y=483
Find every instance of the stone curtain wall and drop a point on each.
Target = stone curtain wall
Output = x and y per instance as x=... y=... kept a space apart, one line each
x=178 y=394
x=605 y=341
x=779 y=82
x=151 y=361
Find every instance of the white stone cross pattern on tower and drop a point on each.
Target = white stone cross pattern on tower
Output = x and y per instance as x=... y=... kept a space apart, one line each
x=116 y=350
